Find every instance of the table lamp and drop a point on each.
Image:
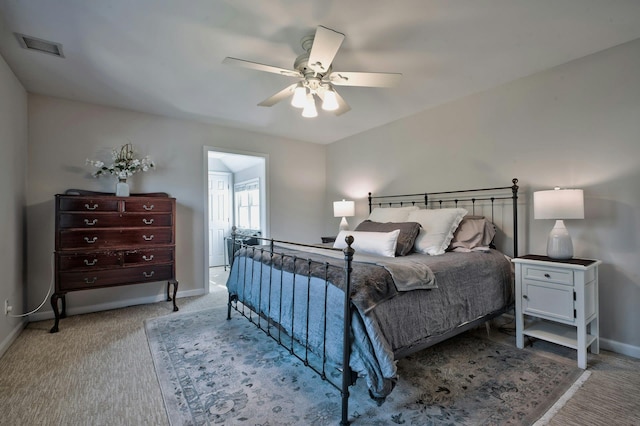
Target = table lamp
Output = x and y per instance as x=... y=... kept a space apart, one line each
x=559 y=204
x=343 y=209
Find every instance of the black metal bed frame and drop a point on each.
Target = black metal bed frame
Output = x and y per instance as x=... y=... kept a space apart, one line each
x=264 y=320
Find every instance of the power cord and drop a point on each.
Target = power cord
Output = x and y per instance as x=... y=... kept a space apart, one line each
x=45 y=298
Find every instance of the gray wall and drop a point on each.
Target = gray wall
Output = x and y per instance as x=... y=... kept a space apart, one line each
x=62 y=134
x=577 y=125
x=13 y=179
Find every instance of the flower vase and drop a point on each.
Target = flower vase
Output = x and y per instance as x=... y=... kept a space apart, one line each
x=122 y=188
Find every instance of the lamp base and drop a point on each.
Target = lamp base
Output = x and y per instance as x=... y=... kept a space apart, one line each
x=344 y=226
x=559 y=245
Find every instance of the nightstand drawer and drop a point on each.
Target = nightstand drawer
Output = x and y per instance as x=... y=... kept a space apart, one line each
x=553 y=275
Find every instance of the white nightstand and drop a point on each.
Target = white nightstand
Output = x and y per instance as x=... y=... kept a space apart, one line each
x=561 y=298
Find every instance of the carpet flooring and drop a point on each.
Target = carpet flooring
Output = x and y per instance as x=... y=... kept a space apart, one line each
x=98 y=370
x=214 y=371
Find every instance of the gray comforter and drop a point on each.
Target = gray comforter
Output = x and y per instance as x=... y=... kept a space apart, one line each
x=390 y=319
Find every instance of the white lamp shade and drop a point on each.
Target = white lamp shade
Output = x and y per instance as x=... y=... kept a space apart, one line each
x=310 y=110
x=330 y=102
x=558 y=204
x=299 y=99
x=344 y=208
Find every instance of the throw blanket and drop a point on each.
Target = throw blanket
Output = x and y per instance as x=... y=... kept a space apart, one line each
x=373 y=279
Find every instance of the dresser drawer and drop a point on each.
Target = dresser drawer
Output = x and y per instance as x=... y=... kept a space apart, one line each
x=148 y=205
x=82 y=204
x=69 y=281
x=548 y=274
x=148 y=256
x=113 y=220
x=89 y=260
x=75 y=239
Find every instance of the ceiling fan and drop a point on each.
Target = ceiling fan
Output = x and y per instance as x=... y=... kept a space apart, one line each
x=317 y=77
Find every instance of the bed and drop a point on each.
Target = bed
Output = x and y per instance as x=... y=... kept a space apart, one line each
x=421 y=269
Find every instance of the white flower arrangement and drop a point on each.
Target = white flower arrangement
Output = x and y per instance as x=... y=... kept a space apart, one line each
x=124 y=164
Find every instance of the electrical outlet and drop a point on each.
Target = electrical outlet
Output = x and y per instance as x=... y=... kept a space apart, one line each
x=7 y=307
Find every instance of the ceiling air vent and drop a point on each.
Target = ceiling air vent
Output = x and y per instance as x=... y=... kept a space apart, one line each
x=40 y=45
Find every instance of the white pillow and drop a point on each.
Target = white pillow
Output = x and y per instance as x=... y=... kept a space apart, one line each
x=438 y=226
x=391 y=214
x=380 y=243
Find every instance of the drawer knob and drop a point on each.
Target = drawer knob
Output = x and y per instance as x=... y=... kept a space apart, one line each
x=150 y=207
x=93 y=262
x=149 y=238
x=148 y=275
x=90 y=240
x=546 y=275
x=88 y=207
x=147 y=221
x=525 y=297
x=90 y=280
x=147 y=258
x=90 y=223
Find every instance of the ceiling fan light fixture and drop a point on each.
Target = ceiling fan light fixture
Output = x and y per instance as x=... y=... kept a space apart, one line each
x=299 y=99
x=330 y=102
x=310 y=110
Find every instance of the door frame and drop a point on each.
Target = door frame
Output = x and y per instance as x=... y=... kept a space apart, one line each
x=264 y=194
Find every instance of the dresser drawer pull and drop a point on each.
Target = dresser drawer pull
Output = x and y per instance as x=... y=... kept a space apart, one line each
x=149 y=238
x=147 y=258
x=88 y=207
x=93 y=262
x=148 y=275
x=547 y=276
x=90 y=280
x=144 y=206
x=90 y=223
x=525 y=297
x=147 y=221
x=90 y=241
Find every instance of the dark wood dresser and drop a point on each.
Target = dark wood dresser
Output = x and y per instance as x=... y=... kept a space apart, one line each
x=105 y=241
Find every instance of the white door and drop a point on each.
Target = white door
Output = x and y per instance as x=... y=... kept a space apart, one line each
x=219 y=216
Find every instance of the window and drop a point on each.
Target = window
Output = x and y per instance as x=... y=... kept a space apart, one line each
x=247 y=201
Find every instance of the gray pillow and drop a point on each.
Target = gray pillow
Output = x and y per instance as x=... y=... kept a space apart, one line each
x=473 y=232
x=408 y=233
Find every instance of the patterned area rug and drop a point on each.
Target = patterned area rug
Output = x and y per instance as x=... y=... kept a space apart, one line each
x=214 y=371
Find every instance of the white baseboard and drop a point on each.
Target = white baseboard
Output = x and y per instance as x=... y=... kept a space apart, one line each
x=40 y=316
x=621 y=348
x=13 y=335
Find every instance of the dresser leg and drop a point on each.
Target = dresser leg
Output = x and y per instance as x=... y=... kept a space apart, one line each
x=56 y=311
x=175 y=291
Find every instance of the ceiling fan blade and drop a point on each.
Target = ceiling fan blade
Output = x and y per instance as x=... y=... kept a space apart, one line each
x=281 y=95
x=325 y=46
x=261 y=67
x=365 y=79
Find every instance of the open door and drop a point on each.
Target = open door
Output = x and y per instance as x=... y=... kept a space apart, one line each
x=219 y=216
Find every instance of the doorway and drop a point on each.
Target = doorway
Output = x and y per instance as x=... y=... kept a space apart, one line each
x=225 y=171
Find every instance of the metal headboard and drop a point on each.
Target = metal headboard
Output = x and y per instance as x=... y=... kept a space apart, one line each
x=446 y=198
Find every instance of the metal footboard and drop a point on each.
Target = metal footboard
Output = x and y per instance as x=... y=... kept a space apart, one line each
x=267 y=313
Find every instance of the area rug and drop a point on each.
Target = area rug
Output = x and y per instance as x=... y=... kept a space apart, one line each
x=214 y=371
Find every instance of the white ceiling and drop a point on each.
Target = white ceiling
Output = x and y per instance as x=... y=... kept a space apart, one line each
x=164 y=56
